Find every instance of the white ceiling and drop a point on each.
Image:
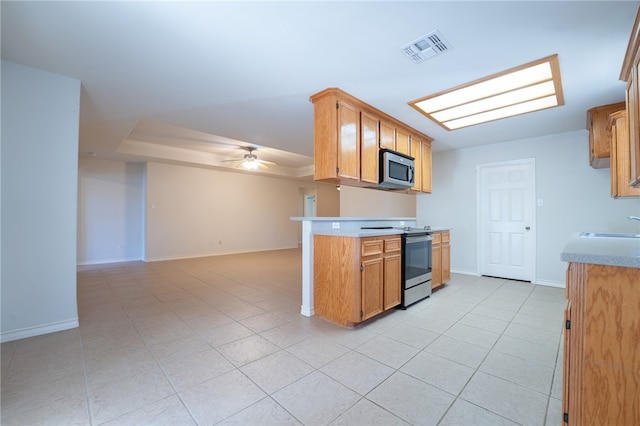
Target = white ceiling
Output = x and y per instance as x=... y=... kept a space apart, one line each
x=178 y=81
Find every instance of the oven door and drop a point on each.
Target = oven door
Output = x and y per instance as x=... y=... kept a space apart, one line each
x=417 y=259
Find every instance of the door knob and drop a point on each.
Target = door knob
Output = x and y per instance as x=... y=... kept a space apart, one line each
x=527 y=228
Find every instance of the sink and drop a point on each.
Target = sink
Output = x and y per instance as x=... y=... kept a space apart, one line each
x=607 y=235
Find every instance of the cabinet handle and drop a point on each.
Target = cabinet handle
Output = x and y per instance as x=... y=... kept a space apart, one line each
x=361 y=268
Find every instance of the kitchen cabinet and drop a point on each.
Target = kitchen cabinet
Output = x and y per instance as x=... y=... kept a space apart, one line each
x=440 y=259
x=620 y=156
x=402 y=141
x=631 y=74
x=599 y=141
x=369 y=157
x=356 y=279
x=601 y=369
x=336 y=139
x=348 y=135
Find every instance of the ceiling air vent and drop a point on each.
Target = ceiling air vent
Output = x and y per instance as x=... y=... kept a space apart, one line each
x=426 y=47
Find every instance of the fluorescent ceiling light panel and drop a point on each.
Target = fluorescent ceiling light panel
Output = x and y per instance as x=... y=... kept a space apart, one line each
x=527 y=88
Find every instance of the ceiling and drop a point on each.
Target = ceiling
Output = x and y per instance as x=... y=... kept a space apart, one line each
x=191 y=81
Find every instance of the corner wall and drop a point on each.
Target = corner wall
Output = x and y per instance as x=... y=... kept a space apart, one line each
x=40 y=121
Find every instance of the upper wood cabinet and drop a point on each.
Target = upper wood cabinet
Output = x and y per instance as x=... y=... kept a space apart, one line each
x=631 y=74
x=336 y=139
x=599 y=142
x=620 y=156
x=348 y=136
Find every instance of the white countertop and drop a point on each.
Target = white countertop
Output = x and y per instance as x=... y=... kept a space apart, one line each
x=357 y=233
x=611 y=251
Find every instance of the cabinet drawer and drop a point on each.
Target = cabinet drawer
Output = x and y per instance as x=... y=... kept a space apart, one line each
x=437 y=238
x=371 y=247
x=392 y=245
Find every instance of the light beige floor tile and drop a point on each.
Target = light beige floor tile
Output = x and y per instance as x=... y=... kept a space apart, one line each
x=388 y=351
x=464 y=413
x=507 y=399
x=517 y=370
x=534 y=321
x=411 y=335
x=276 y=371
x=247 y=350
x=168 y=411
x=487 y=311
x=180 y=346
x=317 y=351
x=411 y=399
x=187 y=370
x=493 y=325
x=114 y=398
x=70 y=410
x=475 y=336
x=290 y=333
x=350 y=338
x=531 y=351
x=225 y=334
x=264 y=412
x=532 y=334
x=365 y=412
x=458 y=351
x=357 y=372
x=222 y=397
x=263 y=322
x=122 y=365
x=554 y=412
x=442 y=373
x=430 y=322
x=316 y=399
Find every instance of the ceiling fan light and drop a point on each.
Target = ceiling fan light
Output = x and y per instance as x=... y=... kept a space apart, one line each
x=250 y=164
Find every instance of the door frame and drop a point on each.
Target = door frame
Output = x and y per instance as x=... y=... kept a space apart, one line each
x=480 y=261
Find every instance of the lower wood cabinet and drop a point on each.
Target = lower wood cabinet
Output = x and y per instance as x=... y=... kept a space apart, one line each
x=356 y=279
x=441 y=259
x=601 y=370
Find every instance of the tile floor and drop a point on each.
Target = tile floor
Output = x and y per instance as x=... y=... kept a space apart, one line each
x=220 y=340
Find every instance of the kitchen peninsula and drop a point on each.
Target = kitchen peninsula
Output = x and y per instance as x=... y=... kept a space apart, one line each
x=347 y=241
x=601 y=370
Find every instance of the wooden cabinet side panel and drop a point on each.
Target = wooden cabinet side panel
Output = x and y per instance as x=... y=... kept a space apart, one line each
x=336 y=273
x=611 y=376
x=436 y=265
x=325 y=142
x=392 y=284
x=446 y=262
x=426 y=167
x=573 y=378
x=369 y=157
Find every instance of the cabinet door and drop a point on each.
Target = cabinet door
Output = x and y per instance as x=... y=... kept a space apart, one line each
x=348 y=141
x=369 y=158
x=620 y=156
x=402 y=141
x=372 y=288
x=426 y=167
x=436 y=260
x=446 y=261
x=633 y=111
x=387 y=136
x=416 y=153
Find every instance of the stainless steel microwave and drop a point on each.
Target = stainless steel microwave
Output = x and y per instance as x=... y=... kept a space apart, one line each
x=397 y=171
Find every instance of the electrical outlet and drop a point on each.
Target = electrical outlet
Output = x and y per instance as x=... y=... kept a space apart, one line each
x=335 y=225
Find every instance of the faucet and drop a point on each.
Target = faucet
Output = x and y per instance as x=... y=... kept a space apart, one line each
x=633 y=217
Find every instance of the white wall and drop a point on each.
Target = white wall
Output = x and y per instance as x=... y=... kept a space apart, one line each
x=40 y=119
x=110 y=211
x=576 y=198
x=367 y=202
x=194 y=211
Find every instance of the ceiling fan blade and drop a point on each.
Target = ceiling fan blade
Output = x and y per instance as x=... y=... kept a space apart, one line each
x=266 y=162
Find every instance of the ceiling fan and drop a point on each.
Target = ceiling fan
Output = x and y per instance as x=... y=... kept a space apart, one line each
x=250 y=161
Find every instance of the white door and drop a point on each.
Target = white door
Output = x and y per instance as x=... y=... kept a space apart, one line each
x=309 y=205
x=506 y=240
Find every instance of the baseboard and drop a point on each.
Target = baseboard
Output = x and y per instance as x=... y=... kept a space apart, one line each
x=105 y=261
x=559 y=284
x=464 y=272
x=197 y=256
x=38 y=330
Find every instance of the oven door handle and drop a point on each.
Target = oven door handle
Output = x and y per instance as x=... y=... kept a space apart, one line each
x=419 y=239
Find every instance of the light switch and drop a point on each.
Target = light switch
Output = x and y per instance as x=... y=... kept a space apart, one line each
x=540 y=202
